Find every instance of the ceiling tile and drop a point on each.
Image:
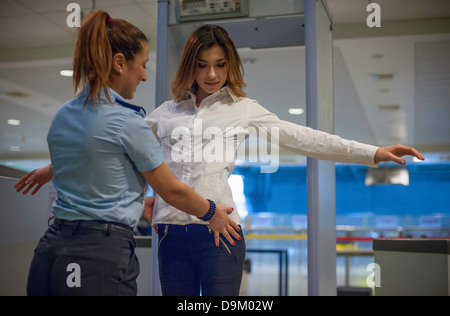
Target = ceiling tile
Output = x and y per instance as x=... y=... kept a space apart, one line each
x=31 y=31
x=45 y=6
x=12 y=8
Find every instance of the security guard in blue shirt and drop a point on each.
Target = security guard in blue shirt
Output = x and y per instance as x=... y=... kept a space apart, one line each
x=102 y=154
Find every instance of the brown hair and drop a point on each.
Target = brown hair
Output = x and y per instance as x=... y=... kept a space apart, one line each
x=99 y=39
x=205 y=37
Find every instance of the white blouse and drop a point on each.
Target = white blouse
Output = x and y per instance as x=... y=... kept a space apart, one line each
x=200 y=144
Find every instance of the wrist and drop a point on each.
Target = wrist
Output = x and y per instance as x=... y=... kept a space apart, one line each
x=211 y=212
x=376 y=158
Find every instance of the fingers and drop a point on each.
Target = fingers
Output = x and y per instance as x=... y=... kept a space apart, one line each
x=395 y=152
x=37 y=189
x=19 y=186
x=400 y=151
x=230 y=210
x=28 y=179
x=221 y=224
x=217 y=238
x=30 y=186
x=228 y=234
x=416 y=154
x=25 y=179
x=234 y=229
x=396 y=159
x=228 y=237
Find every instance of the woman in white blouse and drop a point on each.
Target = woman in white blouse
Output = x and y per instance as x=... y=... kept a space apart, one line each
x=200 y=132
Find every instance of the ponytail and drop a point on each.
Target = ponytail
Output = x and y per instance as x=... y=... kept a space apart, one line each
x=100 y=38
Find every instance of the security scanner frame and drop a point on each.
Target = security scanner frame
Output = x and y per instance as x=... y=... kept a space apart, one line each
x=270 y=24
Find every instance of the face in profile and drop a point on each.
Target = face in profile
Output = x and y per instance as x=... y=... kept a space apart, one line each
x=134 y=72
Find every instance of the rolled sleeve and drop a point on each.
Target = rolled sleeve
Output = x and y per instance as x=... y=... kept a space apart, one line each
x=141 y=144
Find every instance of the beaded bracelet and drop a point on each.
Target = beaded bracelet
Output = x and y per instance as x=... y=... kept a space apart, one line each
x=211 y=212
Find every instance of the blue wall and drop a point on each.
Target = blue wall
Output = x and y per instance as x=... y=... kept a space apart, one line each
x=285 y=191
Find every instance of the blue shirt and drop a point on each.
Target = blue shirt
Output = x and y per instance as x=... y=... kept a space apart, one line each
x=97 y=157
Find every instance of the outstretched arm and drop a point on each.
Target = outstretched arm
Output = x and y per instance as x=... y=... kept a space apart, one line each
x=320 y=145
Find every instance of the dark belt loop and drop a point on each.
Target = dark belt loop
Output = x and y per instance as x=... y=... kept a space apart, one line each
x=76 y=227
x=108 y=229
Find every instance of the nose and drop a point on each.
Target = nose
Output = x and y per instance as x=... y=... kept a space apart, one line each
x=211 y=73
x=144 y=78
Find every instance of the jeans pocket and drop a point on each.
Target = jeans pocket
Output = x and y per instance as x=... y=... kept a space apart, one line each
x=225 y=245
x=164 y=235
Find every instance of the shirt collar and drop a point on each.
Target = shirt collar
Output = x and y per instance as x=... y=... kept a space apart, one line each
x=118 y=99
x=115 y=97
x=225 y=91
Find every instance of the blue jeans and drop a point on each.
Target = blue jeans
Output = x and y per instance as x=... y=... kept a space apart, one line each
x=190 y=264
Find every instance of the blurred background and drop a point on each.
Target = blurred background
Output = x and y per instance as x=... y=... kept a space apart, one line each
x=391 y=85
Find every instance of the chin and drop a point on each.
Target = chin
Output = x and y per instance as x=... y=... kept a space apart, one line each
x=212 y=90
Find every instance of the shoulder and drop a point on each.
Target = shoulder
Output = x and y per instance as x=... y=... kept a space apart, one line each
x=160 y=110
x=245 y=102
x=69 y=111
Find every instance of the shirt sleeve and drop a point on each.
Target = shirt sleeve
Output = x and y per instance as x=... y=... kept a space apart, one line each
x=306 y=141
x=141 y=144
x=153 y=118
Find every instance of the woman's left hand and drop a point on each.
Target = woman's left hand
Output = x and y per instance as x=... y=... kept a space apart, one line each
x=395 y=152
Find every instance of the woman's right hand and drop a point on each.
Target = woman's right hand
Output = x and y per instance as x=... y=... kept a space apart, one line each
x=39 y=176
x=221 y=223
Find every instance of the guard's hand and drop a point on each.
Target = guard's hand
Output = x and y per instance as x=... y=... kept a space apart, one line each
x=221 y=223
x=149 y=203
x=39 y=176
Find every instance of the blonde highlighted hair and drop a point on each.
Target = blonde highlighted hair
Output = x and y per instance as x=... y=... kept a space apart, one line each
x=206 y=37
x=99 y=39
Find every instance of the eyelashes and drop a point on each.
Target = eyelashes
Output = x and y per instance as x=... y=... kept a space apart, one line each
x=205 y=66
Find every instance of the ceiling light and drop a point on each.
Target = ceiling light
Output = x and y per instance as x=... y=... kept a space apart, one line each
x=381 y=77
x=378 y=56
x=14 y=148
x=14 y=122
x=66 y=73
x=389 y=107
x=16 y=94
x=296 y=111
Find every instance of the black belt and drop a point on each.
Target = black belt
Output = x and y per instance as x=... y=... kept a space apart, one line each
x=97 y=225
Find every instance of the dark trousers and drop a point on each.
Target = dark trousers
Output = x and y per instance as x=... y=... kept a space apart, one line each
x=84 y=259
x=190 y=264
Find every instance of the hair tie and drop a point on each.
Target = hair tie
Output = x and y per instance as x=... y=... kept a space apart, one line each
x=109 y=20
